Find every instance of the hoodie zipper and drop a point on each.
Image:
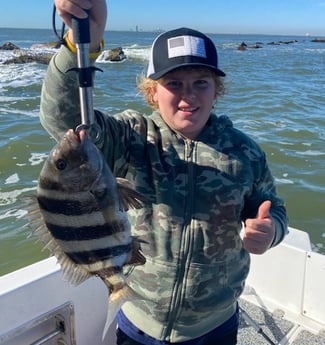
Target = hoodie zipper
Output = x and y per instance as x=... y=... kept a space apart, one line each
x=186 y=243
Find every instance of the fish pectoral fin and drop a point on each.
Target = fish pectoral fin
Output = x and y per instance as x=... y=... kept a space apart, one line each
x=136 y=257
x=115 y=301
x=129 y=198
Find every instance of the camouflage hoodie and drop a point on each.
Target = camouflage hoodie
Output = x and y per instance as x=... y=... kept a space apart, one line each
x=199 y=191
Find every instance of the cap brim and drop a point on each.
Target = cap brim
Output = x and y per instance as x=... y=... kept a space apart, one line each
x=158 y=75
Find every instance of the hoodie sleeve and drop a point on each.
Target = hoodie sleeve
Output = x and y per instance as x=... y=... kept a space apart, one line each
x=264 y=189
x=60 y=105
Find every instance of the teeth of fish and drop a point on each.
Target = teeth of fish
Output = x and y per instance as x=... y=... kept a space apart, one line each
x=80 y=215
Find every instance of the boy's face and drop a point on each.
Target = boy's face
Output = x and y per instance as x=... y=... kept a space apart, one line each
x=185 y=98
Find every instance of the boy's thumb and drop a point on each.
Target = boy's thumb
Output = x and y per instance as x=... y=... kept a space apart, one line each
x=264 y=210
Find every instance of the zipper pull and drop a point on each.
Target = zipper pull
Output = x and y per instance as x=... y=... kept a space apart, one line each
x=190 y=147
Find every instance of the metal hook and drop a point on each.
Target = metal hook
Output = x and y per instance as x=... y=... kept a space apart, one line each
x=93 y=130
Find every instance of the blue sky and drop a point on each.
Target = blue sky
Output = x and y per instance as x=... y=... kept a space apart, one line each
x=287 y=17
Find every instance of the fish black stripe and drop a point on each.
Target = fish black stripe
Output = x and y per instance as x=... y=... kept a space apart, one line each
x=67 y=207
x=66 y=233
x=108 y=271
x=88 y=258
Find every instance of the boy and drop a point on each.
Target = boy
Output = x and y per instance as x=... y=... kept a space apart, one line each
x=201 y=176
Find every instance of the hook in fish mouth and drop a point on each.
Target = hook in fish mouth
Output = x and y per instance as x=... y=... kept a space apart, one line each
x=93 y=131
x=76 y=138
x=81 y=134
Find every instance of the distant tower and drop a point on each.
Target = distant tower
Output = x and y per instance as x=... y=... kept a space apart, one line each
x=136 y=28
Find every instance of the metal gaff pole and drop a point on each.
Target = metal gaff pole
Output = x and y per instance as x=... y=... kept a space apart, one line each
x=81 y=36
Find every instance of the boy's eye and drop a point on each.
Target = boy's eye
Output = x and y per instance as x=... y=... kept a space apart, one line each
x=173 y=84
x=201 y=83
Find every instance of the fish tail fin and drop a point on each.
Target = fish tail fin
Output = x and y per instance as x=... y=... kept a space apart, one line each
x=115 y=301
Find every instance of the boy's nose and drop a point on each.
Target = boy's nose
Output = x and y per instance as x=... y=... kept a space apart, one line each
x=188 y=92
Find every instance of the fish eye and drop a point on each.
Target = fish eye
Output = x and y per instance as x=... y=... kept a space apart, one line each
x=61 y=164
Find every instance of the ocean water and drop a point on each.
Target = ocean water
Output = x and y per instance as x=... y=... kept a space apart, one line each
x=275 y=94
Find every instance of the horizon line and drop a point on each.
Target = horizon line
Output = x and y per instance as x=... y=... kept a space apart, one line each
x=158 y=31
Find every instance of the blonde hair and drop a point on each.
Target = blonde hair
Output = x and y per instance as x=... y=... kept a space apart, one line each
x=147 y=85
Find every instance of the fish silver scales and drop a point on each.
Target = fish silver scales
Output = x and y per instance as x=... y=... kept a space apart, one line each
x=80 y=215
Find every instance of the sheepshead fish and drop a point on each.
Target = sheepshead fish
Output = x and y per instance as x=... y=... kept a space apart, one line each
x=80 y=214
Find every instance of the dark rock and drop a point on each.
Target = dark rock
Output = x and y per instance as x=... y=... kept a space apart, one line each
x=318 y=40
x=115 y=55
x=282 y=42
x=43 y=58
x=288 y=42
x=39 y=53
x=8 y=46
x=244 y=46
x=255 y=46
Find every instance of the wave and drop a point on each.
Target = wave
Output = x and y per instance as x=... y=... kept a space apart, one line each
x=8 y=198
x=136 y=52
x=24 y=112
x=316 y=153
x=132 y=52
x=21 y=75
x=14 y=178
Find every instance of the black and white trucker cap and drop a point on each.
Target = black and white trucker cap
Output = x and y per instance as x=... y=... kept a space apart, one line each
x=182 y=47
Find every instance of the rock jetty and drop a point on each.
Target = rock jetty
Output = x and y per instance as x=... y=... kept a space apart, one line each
x=8 y=46
x=28 y=57
x=318 y=40
x=244 y=46
x=115 y=55
x=282 y=42
x=43 y=52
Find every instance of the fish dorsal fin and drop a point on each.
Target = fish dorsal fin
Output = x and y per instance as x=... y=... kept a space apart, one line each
x=129 y=198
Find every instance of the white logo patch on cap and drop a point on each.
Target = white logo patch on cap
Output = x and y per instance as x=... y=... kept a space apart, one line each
x=186 y=45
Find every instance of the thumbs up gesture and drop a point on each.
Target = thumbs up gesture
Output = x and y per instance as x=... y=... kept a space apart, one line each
x=260 y=231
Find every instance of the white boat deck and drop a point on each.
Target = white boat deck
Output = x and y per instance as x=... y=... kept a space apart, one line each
x=284 y=299
x=284 y=295
x=277 y=328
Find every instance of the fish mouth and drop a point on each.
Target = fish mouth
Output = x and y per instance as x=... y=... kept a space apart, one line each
x=82 y=135
x=82 y=140
x=77 y=137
